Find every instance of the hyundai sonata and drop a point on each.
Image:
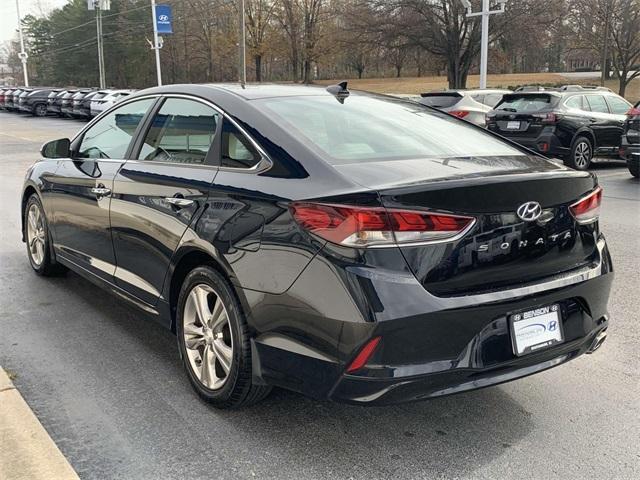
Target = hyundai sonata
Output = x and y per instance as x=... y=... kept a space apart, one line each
x=345 y=245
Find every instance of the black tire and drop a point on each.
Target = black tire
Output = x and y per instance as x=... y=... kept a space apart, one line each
x=581 y=154
x=47 y=266
x=40 y=109
x=238 y=389
x=634 y=168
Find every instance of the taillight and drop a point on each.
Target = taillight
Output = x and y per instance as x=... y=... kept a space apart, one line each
x=376 y=226
x=549 y=118
x=365 y=354
x=459 y=113
x=633 y=112
x=587 y=209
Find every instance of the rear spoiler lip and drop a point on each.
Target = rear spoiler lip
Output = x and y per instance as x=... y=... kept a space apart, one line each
x=441 y=94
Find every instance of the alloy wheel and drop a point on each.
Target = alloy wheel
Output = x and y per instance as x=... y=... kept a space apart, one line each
x=582 y=155
x=41 y=110
x=208 y=338
x=36 y=234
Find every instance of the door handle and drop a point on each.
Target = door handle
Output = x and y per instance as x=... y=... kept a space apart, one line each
x=101 y=191
x=179 y=202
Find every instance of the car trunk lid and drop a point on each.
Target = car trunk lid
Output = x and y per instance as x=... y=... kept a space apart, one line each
x=522 y=114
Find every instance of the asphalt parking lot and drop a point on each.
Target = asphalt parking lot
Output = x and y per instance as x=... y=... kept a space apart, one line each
x=108 y=386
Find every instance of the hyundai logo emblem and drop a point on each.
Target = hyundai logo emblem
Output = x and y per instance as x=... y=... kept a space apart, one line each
x=529 y=211
x=163 y=18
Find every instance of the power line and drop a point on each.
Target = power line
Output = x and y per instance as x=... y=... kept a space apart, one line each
x=92 y=21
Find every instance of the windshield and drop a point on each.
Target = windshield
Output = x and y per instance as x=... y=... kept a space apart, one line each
x=368 y=128
x=525 y=103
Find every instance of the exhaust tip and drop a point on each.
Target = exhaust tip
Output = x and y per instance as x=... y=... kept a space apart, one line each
x=598 y=341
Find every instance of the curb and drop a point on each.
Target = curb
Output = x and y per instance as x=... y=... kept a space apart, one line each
x=26 y=449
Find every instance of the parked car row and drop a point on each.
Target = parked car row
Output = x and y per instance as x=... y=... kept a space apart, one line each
x=573 y=123
x=82 y=103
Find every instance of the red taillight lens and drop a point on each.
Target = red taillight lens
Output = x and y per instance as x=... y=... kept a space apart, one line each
x=365 y=354
x=587 y=209
x=459 y=113
x=633 y=112
x=549 y=118
x=375 y=226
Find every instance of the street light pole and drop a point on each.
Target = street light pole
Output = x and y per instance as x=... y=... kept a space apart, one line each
x=242 y=56
x=23 y=55
x=156 y=46
x=484 y=45
x=98 y=8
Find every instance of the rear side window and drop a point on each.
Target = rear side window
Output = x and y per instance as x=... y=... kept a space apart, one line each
x=181 y=132
x=597 y=103
x=440 y=101
x=237 y=150
x=618 y=105
x=525 y=103
x=575 y=102
x=369 y=129
x=111 y=135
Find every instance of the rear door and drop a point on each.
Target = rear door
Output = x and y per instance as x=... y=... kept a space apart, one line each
x=603 y=123
x=522 y=114
x=618 y=107
x=158 y=194
x=82 y=186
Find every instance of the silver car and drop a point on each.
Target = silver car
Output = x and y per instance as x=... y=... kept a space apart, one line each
x=471 y=105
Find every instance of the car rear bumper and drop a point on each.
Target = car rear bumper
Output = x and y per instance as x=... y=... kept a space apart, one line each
x=428 y=348
x=546 y=143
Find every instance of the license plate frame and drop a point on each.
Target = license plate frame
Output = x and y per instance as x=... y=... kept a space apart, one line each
x=533 y=330
x=513 y=125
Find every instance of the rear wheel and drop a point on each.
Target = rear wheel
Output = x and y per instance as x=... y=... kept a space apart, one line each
x=581 y=154
x=214 y=342
x=40 y=110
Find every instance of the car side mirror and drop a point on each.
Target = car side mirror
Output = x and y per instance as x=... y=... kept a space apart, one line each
x=60 y=148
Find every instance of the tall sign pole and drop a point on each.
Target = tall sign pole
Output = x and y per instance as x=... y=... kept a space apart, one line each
x=242 y=55
x=484 y=45
x=156 y=46
x=99 y=6
x=23 y=55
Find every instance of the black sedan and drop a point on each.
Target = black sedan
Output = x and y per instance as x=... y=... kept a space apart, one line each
x=348 y=246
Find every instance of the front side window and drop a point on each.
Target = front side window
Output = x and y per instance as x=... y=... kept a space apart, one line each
x=111 y=135
x=181 y=132
x=597 y=103
x=618 y=105
x=369 y=129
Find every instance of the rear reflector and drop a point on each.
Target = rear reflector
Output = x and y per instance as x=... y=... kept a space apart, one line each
x=377 y=227
x=587 y=209
x=365 y=354
x=459 y=113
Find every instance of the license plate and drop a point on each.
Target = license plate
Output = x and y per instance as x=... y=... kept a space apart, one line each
x=513 y=125
x=536 y=329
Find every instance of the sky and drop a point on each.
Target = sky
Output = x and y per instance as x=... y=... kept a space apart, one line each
x=9 y=17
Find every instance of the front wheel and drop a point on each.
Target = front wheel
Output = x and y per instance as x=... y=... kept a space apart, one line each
x=214 y=342
x=36 y=234
x=634 y=167
x=581 y=154
x=40 y=110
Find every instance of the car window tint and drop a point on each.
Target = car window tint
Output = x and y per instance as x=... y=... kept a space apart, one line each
x=369 y=129
x=575 y=102
x=597 y=103
x=440 y=101
x=492 y=99
x=111 y=135
x=236 y=149
x=525 y=103
x=182 y=132
x=618 y=105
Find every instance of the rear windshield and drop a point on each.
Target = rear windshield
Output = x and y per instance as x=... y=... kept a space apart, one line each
x=526 y=103
x=368 y=128
x=440 y=101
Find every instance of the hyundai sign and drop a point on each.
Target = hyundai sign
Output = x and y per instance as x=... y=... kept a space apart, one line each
x=163 y=19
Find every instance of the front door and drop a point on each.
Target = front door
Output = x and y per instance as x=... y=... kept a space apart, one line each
x=156 y=196
x=81 y=190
